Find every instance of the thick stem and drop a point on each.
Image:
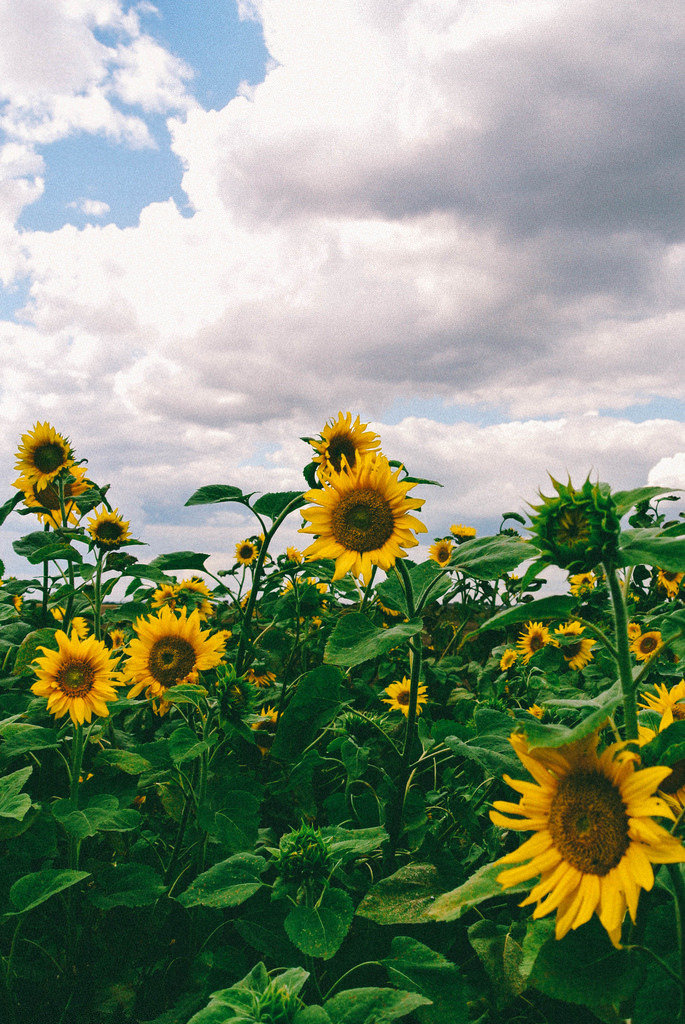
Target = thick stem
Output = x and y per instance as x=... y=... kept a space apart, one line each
x=623 y=652
x=74 y=779
x=97 y=598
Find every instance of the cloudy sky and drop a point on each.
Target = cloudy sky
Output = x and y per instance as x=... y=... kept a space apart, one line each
x=221 y=223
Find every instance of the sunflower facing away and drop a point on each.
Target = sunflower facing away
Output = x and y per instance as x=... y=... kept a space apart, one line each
x=342 y=439
x=169 y=649
x=594 y=838
x=194 y=593
x=579 y=651
x=646 y=644
x=534 y=636
x=108 y=529
x=462 y=532
x=42 y=455
x=362 y=518
x=440 y=552
x=670 y=581
x=265 y=727
x=47 y=497
x=246 y=552
x=398 y=696
x=260 y=677
x=77 y=679
x=670 y=704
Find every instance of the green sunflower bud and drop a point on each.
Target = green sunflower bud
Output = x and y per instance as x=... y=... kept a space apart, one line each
x=577 y=529
x=303 y=856
x=237 y=696
x=275 y=1005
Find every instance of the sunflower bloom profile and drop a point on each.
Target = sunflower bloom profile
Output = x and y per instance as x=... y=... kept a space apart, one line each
x=42 y=455
x=440 y=552
x=670 y=581
x=594 y=836
x=78 y=679
x=342 y=441
x=577 y=652
x=669 y=703
x=508 y=659
x=197 y=593
x=108 y=529
x=532 y=639
x=45 y=499
x=582 y=583
x=361 y=518
x=398 y=696
x=169 y=649
x=462 y=532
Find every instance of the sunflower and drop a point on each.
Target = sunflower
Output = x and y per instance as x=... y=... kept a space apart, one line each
x=634 y=630
x=293 y=555
x=669 y=703
x=462 y=532
x=260 y=677
x=164 y=596
x=117 y=638
x=42 y=455
x=79 y=628
x=670 y=581
x=108 y=529
x=58 y=613
x=398 y=696
x=532 y=639
x=361 y=518
x=169 y=649
x=341 y=442
x=78 y=678
x=17 y=601
x=441 y=552
x=322 y=587
x=536 y=711
x=392 y=613
x=579 y=651
x=197 y=592
x=581 y=583
x=265 y=725
x=246 y=552
x=647 y=644
x=595 y=839
x=507 y=659
x=47 y=497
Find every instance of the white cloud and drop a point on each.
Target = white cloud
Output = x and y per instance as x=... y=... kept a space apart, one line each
x=91 y=207
x=669 y=472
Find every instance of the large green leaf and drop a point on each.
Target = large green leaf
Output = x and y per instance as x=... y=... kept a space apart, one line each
x=32 y=890
x=212 y=494
x=556 y=606
x=651 y=546
x=346 y=844
x=20 y=737
x=10 y=504
x=672 y=628
x=481 y=886
x=488 y=558
x=406 y=897
x=494 y=761
x=227 y=884
x=624 y=500
x=416 y=967
x=14 y=803
x=176 y=560
x=127 y=885
x=42 y=547
x=540 y=735
x=102 y=814
x=319 y=930
x=356 y=639
x=273 y=504
x=184 y=745
x=125 y=760
x=372 y=1005
x=315 y=702
x=30 y=649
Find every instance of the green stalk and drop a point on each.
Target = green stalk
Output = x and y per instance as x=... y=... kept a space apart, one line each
x=679 y=902
x=70 y=567
x=74 y=775
x=97 y=597
x=46 y=584
x=623 y=652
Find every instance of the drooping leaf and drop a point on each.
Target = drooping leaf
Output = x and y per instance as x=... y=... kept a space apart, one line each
x=212 y=494
x=14 y=803
x=184 y=745
x=372 y=1005
x=481 y=886
x=356 y=639
x=176 y=560
x=30 y=649
x=651 y=546
x=556 y=606
x=404 y=897
x=316 y=701
x=273 y=504
x=42 y=547
x=20 y=737
x=494 y=761
x=624 y=500
x=227 y=884
x=319 y=931
x=488 y=558
x=414 y=966
x=9 y=505
x=32 y=890
x=127 y=885
x=125 y=760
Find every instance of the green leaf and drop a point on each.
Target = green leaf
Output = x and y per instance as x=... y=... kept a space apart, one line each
x=30 y=649
x=346 y=844
x=20 y=737
x=372 y=1005
x=186 y=693
x=494 y=761
x=125 y=760
x=42 y=546
x=232 y=815
x=101 y=815
x=273 y=504
x=319 y=930
x=127 y=885
x=651 y=546
x=416 y=967
x=312 y=1015
x=32 y=890
x=226 y=884
x=540 y=735
x=212 y=494
x=557 y=606
x=488 y=558
x=667 y=747
x=9 y=505
x=237 y=1004
x=499 y=948
x=356 y=639
x=14 y=803
x=184 y=745
x=624 y=500
x=315 y=702
x=422 y=576
x=481 y=886
x=176 y=560
x=672 y=628
x=405 y=897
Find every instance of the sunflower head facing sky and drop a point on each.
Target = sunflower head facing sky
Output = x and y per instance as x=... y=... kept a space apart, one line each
x=576 y=649
x=78 y=678
x=576 y=529
x=398 y=696
x=461 y=532
x=440 y=552
x=341 y=442
x=361 y=518
x=594 y=836
x=42 y=455
x=108 y=529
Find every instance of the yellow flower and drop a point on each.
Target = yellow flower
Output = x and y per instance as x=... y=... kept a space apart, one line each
x=532 y=639
x=398 y=696
x=462 y=532
x=440 y=552
x=647 y=644
x=578 y=653
x=108 y=529
x=197 y=591
x=169 y=649
x=319 y=584
x=341 y=442
x=117 y=637
x=390 y=612
x=361 y=518
x=17 y=601
x=507 y=659
x=634 y=630
x=265 y=725
x=594 y=839
x=79 y=628
x=536 y=711
x=58 y=613
x=77 y=679
x=164 y=596
x=47 y=497
x=582 y=583
x=670 y=581
x=316 y=621
x=293 y=555
x=260 y=677
x=42 y=455
x=246 y=552
x=669 y=703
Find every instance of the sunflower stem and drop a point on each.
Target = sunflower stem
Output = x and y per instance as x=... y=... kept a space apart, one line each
x=70 y=566
x=97 y=596
x=679 y=903
x=623 y=652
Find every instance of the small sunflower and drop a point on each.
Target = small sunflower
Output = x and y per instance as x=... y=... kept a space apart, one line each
x=440 y=552
x=634 y=630
x=78 y=678
x=670 y=581
x=594 y=839
x=79 y=628
x=169 y=649
x=507 y=659
x=46 y=498
x=265 y=726
x=260 y=677
x=293 y=555
x=536 y=711
x=361 y=518
x=246 y=552
x=398 y=696
x=462 y=532
x=579 y=651
x=342 y=441
x=58 y=613
x=646 y=644
x=196 y=592
x=392 y=613
x=117 y=638
x=164 y=596
x=669 y=703
x=532 y=639
x=108 y=529
x=17 y=601
x=582 y=583
x=42 y=455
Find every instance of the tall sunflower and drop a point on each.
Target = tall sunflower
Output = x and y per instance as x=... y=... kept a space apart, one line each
x=594 y=839
x=533 y=637
x=246 y=552
x=46 y=497
x=78 y=678
x=342 y=439
x=361 y=518
x=440 y=552
x=398 y=696
x=108 y=529
x=42 y=455
x=670 y=581
x=169 y=649
x=578 y=652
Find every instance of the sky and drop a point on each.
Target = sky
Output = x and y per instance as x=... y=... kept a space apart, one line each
x=222 y=223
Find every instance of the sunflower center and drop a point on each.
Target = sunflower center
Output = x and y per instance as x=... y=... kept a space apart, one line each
x=171 y=659
x=109 y=530
x=647 y=644
x=588 y=822
x=678 y=711
x=676 y=779
x=339 y=446
x=363 y=521
x=573 y=527
x=49 y=456
x=246 y=551
x=671 y=577
x=76 y=678
x=535 y=641
x=572 y=650
x=402 y=698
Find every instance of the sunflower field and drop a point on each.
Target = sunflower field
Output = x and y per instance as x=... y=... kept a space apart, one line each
x=335 y=785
